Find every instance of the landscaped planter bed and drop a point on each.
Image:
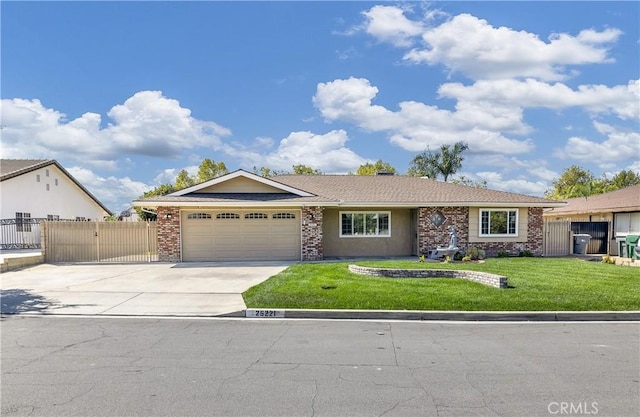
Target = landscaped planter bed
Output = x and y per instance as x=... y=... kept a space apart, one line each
x=492 y=280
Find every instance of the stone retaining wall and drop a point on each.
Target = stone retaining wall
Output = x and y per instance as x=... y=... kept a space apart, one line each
x=492 y=280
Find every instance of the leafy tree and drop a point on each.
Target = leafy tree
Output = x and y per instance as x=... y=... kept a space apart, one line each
x=267 y=172
x=373 y=169
x=468 y=181
x=159 y=190
x=573 y=182
x=184 y=180
x=622 y=179
x=209 y=169
x=305 y=170
x=446 y=161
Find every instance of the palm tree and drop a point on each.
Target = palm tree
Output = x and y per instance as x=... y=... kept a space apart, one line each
x=446 y=162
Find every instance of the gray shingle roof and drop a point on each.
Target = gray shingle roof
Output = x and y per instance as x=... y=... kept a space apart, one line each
x=357 y=190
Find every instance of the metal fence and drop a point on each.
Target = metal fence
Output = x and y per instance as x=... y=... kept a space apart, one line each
x=100 y=241
x=20 y=233
x=557 y=238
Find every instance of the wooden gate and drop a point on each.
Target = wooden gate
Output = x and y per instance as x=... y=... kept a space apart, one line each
x=99 y=241
x=557 y=238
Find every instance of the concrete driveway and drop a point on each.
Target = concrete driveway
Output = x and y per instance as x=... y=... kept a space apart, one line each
x=183 y=289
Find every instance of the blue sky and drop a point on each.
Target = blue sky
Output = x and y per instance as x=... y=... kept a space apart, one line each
x=126 y=94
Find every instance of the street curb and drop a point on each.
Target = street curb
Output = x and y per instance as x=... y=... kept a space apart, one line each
x=449 y=315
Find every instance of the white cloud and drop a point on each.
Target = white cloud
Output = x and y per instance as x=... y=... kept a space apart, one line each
x=326 y=152
x=621 y=100
x=145 y=124
x=473 y=47
x=115 y=193
x=496 y=181
x=619 y=146
x=417 y=126
x=389 y=24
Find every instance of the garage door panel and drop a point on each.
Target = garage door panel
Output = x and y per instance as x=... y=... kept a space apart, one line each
x=221 y=237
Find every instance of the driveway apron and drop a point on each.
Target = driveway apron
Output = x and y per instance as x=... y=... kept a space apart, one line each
x=164 y=289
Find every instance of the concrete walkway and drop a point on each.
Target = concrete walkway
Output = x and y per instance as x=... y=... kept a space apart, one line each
x=184 y=289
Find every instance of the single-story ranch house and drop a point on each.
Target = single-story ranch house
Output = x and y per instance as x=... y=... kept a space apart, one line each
x=243 y=216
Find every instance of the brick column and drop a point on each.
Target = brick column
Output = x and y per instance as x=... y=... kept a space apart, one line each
x=169 y=234
x=535 y=230
x=312 y=234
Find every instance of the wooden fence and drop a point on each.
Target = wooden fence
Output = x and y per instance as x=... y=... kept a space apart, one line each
x=99 y=241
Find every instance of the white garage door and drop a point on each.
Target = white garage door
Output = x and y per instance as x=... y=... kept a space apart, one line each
x=240 y=235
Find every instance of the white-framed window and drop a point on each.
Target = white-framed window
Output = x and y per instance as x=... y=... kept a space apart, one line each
x=54 y=217
x=192 y=216
x=227 y=216
x=284 y=216
x=23 y=222
x=499 y=222
x=37 y=177
x=365 y=224
x=256 y=216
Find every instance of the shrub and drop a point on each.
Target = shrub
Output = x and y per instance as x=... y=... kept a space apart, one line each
x=475 y=254
x=525 y=254
x=503 y=254
x=607 y=259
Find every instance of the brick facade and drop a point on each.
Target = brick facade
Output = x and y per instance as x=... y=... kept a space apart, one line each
x=169 y=234
x=312 y=234
x=430 y=236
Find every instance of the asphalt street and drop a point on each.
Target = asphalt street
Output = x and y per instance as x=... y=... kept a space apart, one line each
x=82 y=366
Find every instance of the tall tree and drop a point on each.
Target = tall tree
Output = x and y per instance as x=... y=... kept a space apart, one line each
x=184 y=180
x=305 y=170
x=573 y=182
x=374 y=168
x=622 y=179
x=209 y=169
x=446 y=161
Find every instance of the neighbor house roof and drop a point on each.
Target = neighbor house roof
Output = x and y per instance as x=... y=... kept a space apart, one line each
x=350 y=190
x=622 y=200
x=11 y=168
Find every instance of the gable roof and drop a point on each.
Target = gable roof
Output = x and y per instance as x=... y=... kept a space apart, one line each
x=622 y=200
x=11 y=168
x=349 y=190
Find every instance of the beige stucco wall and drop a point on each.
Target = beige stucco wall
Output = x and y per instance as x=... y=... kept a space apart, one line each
x=398 y=244
x=474 y=227
x=240 y=185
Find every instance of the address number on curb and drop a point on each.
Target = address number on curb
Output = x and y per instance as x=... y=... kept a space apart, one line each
x=276 y=314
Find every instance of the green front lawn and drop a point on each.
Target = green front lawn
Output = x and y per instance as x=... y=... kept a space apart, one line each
x=536 y=284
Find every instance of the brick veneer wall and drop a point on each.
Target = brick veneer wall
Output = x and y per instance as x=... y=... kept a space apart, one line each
x=430 y=236
x=492 y=280
x=169 y=234
x=312 y=234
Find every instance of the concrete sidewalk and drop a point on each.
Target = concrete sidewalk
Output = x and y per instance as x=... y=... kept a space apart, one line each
x=184 y=289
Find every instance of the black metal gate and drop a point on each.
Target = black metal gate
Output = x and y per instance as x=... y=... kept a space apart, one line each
x=599 y=232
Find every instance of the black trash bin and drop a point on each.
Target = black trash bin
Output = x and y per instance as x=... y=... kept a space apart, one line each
x=580 y=243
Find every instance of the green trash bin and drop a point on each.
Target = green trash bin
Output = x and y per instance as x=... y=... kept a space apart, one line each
x=632 y=246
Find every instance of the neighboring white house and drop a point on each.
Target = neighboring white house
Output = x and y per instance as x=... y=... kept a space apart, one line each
x=35 y=189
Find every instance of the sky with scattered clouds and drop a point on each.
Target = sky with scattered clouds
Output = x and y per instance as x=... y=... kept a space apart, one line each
x=126 y=94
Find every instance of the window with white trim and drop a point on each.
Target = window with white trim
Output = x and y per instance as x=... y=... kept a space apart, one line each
x=499 y=222
x=193 y=216
x=284 y=216
x=54 y=217
x=227 y=216
x=365 y=224
x=256 y=216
